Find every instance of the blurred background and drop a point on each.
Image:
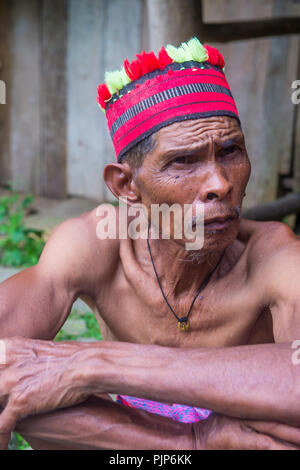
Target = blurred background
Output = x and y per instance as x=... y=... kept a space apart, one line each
x=54 y=142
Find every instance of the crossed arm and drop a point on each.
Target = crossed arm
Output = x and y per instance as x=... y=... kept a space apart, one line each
x=253 y=390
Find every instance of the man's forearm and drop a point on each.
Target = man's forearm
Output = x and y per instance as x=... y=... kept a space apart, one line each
x=255 y=382
x=103 y=424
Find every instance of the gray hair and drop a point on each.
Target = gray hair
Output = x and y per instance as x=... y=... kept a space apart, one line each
x=135 y=156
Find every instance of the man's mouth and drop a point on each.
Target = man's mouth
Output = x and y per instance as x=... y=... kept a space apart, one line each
x=218 y=223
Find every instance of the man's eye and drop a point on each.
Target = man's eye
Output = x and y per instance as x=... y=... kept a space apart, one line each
x=228 y=151
x=187 y=159
x=179 y=160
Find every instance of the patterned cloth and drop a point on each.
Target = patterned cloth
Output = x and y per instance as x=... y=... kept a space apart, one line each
x=182 y=413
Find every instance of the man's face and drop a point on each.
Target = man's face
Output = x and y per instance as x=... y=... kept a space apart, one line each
x=199 y=161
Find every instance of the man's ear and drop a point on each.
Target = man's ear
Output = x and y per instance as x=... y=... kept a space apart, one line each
x=119 y=179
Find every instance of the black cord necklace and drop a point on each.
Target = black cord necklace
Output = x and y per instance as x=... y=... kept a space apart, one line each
x=183 y=322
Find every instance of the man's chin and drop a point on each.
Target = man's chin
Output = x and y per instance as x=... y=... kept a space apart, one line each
x=220 y=239
x=214 y=241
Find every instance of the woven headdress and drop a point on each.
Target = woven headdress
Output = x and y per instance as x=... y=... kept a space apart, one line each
x=151 y=92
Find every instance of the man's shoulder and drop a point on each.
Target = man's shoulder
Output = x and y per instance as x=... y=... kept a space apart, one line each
x=267 y=237
x=282 y=247
x=276 y=274
x=81 y=232
x=74 y=245
x=273 y=249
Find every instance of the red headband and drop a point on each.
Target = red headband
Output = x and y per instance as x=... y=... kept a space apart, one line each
x=165 y=93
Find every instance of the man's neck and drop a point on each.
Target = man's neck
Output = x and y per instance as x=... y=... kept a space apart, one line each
x=181 y=271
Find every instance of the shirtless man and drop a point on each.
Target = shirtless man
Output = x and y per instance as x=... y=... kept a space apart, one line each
x=238 y=357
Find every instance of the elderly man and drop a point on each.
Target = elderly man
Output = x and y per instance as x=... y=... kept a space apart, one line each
x=200 y=345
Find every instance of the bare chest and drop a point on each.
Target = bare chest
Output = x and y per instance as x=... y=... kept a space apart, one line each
x=229 y=314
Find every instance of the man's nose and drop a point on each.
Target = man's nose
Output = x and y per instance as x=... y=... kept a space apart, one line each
x=215 y=184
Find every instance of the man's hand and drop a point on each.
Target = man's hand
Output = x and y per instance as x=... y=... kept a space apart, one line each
x=36 y=377
x=223 y=433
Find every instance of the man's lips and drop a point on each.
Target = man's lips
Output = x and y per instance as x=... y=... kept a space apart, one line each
x=218 y=223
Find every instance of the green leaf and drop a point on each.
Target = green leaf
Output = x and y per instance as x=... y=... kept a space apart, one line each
x=18 y=236
x=27 y=201
x=20 y=246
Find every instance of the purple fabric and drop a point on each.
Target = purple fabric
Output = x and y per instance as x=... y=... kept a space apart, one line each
x=182 y=413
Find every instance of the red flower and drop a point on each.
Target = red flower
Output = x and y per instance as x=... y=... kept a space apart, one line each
x=214 y=56
x=103 y=95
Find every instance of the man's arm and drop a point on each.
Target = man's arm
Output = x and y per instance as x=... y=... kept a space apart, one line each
x=284 y=292
x=36 y=302
x=254 y=382
x=43 y=376
x=102 y=424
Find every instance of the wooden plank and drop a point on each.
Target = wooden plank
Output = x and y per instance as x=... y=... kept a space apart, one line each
x=101 y=34
x=5 y=21
x=86 y=123
x=53 y=97
x=286 y=53
x=283 y=71
x=122 y=16
x=296 y=147
x=24 y=87
x=172 y=21
x=238 y=30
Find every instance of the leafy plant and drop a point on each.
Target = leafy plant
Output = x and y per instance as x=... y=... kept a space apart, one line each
x=18 y=443
x=20 y=246
x=92 y=326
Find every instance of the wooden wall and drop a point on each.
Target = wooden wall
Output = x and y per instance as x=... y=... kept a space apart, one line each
x=53 y=53
x=5 y=24
x=101 y=34
x=54 y=140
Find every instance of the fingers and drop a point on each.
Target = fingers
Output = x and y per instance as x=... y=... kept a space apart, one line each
x=4 y=440
x=8 y=420
x=284 y=432
x=236 y=434
x=268 y=443
x=253 y=440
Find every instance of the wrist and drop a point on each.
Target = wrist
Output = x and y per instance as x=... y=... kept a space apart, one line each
x=93 y=370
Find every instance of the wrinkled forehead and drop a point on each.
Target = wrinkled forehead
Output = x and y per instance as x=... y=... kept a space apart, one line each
x=216 y=129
